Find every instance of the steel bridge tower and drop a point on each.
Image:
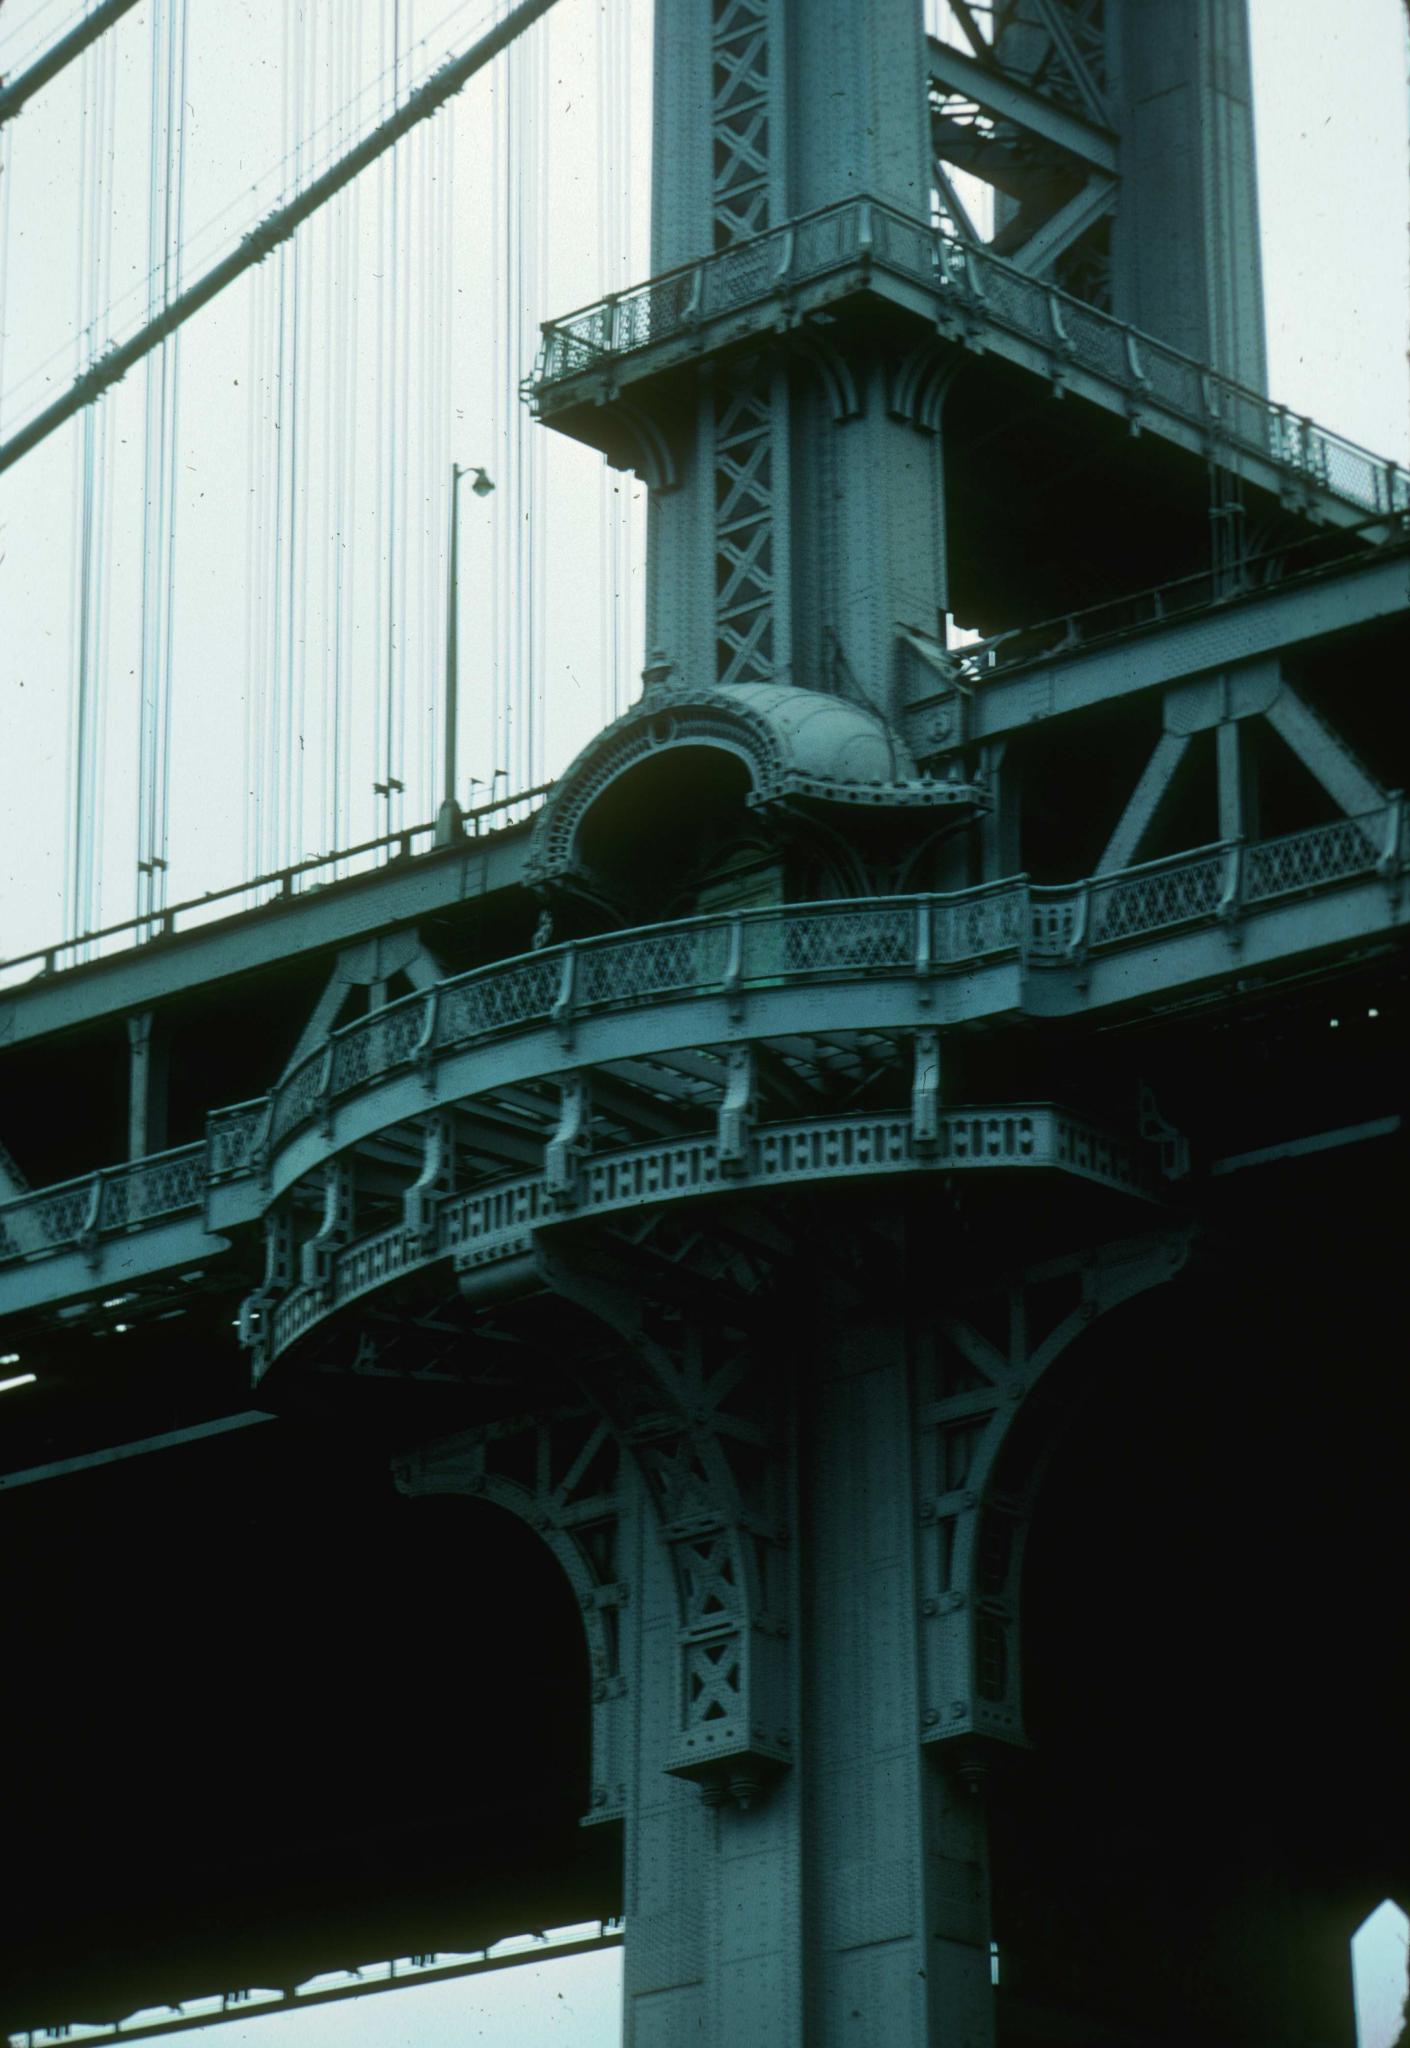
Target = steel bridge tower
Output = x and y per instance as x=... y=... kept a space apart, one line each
x=891 y=1177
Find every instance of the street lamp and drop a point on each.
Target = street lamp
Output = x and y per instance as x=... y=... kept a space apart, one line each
x=450 y=819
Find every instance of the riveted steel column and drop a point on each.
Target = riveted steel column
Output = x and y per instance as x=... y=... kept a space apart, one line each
x=897 y=1929
x=1185 y=248
x=867 y=532
x=806 y=523
x=848 y=1900
x=713 y=1892
x=147 y=1083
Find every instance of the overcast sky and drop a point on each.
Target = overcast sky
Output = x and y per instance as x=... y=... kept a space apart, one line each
x=1331 y=102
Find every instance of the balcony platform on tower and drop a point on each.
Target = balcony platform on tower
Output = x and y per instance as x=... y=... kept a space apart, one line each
x=616 y=374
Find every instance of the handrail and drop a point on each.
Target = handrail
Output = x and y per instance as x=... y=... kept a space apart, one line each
x=920 y=937
x=75 y=1211
x=162 y=922
x=838 y=237
x=1068 y=632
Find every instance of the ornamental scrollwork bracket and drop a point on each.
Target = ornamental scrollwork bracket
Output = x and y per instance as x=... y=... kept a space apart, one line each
x=559 y=1473
x=978 y=1487
x=696 y=1392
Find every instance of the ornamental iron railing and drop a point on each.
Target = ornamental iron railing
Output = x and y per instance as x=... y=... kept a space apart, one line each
x=1321 y=555
x=235 y=1138
x=977 y=287
x=486 y=1224
x=115 y=1198
x=724 y=955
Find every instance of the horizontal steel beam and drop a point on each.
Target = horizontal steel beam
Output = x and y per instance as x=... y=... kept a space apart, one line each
x=1051 y=238
x=345 y=911
x=1303 y=1148
x=1003 y=96
x=173 y=1245
x=116 y=1454
x=1237 y=630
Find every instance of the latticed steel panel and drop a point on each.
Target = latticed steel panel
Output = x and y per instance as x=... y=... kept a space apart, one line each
x=744 y=527
x=1058 y=47
x=744 y=424
x=740 y=141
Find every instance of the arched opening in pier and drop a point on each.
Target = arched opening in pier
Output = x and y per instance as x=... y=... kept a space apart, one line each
x=660 y=830
x=1217 y=1671
x=312 y=1724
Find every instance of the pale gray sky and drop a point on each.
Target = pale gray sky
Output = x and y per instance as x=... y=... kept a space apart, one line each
x=252 y=678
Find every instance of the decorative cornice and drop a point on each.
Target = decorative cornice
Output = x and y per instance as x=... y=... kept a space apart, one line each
x=736 y=722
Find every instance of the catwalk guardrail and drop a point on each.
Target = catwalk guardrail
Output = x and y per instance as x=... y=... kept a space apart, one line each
x=978 y=286
x=281 y=885
x=920 y=937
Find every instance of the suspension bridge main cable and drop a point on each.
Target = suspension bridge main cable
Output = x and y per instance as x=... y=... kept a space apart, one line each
x=427 y=99
x=59 y=56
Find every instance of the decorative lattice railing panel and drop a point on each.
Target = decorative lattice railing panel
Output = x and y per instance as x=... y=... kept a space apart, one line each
x=978 y=287
x=720 y=958
x=1126 y=906
x=1306 y=860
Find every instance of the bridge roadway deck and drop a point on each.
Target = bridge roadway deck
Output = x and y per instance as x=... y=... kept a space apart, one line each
x=1006 y=695
x=893 y=965
x=334 y=914
x=1009 y=691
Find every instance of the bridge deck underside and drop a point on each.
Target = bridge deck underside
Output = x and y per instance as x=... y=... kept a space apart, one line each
x=280 y=1754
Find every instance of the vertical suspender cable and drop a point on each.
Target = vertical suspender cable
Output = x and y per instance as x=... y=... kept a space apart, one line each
x=535 y=441
x=289 y=465
x=286 y=446
x=434 y=438
x=272 y=750
x=602 y=45
x=517 y=157
x=392 y=288
x=165 y=201
x=622 y=593
x=281 y=722
x=6 y=179
x=379 y=482
x=176 y=232
x=349 y=439
x=404 y=310
x=151 y=466
x=253 y=448
x=427 y=352
x=522 y=156
x=77 y=836
x=327 y=531
x=526 y=195
x=447 y=269
x=100 y=570
x=266 y=788
x=500 y=522
x=614 y=234
x=293 y=430
x=522 y=163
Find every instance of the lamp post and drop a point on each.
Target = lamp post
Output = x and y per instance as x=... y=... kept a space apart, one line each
x=450 y=819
